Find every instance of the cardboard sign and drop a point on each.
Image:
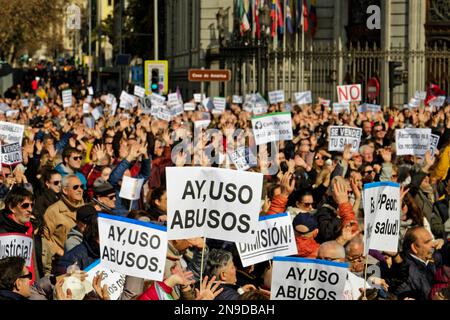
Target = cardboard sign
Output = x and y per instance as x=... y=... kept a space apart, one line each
x=381 y=216
x=238 y=158
x=274 y=237
x=16 y=245
x=349 y=93
x=139 y=91
x=131 y=188
x=272 y=127
x=215 y=203
x=276 y=96
x=341 y=107
x=412 y=141
x=220 y=103
x=434 y=141
x=67 y=98
x=11 y=153
x=189 y=107
x=307 y=279
x=113 y=280
x=132 y=247
x=303 y=97
x=340 y=136
x=237 y=99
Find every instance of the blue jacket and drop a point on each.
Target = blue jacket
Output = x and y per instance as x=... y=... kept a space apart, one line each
x=83 y=254
x=116 y=176
x=60 y=168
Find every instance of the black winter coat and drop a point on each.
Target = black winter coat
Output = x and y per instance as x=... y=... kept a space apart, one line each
x=83 y=254
x=329 y=223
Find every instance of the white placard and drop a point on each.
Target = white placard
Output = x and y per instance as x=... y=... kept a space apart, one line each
x=86 y=107
x=340 y=136
x=349 y=93
x=381 y=216
x=16 y=245
x=303 y=97
x=25 y=102
x=173 y=97
x=139 y=91
x=114 y=281
x=114 y=107
x=12 y=113
x=238 y=158
x=437 y=102
x=211 y=202
x=272 y=127
x=157 y=99
x=275 y=237
x=189 y=107
x=176 y=110
x=131 y=188
x=276 y=96
x=198 y=97
x=220 y=103
x=89 y=99
x=163 y=113
x=67 y=98
x=96 y=113
x=110 y=99
x=420 y=95
x=414 y=103
x=201 y=124
x=325 y=103
x=90 y=91
x=307 y=279
x=412 y=141
x=367 y=107
x=132 y=247
x=237 y=99
x=11 y=153
x=341 y=107
x=434 y=141
x=11 y=132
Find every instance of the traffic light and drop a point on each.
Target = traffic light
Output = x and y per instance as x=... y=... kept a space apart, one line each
x=154 y=86
x=395 y=76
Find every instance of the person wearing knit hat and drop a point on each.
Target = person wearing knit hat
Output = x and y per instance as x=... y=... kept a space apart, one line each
x=75 y=235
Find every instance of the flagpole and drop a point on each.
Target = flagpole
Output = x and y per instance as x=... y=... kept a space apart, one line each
x=275 y=47
x=284 y=46
x=252 y=5
x=303 y=49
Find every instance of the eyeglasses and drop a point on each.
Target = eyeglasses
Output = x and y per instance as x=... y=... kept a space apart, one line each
x=28 y=276
x=308 y=204
x=328 y=258
x=76 y=187
x=368 y=171
x=318 y=158
x=56 y=183
x=26 y=205
x=77 y=158
x=357 y=258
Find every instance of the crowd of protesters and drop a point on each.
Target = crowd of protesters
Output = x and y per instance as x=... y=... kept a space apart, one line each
x=72 y=171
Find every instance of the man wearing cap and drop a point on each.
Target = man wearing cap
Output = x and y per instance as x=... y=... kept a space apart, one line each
x=75 y=235
x=306 y=229
x=104 y=199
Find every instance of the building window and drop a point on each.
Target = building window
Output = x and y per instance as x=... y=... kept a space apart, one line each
x=109 y=3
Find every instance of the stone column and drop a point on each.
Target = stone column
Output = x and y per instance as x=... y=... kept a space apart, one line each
x=416 y=42
x=385 y=46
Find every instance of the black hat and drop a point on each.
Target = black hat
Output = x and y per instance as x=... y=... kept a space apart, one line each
x=102 y=188
x=85 y=213
x=307 y=220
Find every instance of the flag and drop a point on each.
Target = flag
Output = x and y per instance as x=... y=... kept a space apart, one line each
x=298 y=13
x=248 y=5
x=433 y=92
x=280 y=18
x=273 y=15
x=289 y=27
x=313 y=17
x=256 y=15
x=244 y=24
x=305 y=17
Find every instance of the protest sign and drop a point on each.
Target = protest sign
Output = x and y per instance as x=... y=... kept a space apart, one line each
x=12 y=113
x=86 y=108
x=274 y=237
x=176 y=110
x=434 y=141
x=114 y=108
x=259 y=108
x=367 y=107
x=438 y=101
x=163 y=113
x=414 y=103
x=67 y=98
x=198 y=97
x=276 y=96
x=110 y=99
x=381 y=216
x=349 y=93
x=139 y=91
x=341 y=107
x=207 y=104
x=307 y=279
x=219 y=103
x=90 y=91
x=16 y=245
x=25 y=102
x=11 y=132
x=303 y=97
x=272 y=127
x=211 y=202
x=11 y=153
x=173 y=98
x=412 y=141
x=89 y=99
x=238 y=158
x=114 y=280
x=340 y=136
x=420 y=95
x=96 y=113
x=132 y=247
x=237 y=99
x=131 y=188
x=201 y=124
x=189 y=107
x=325 y=103
x=157 y=99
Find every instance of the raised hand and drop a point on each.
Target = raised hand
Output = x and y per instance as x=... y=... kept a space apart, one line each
x=102 y=291
x=208 y=290
x=59 y=292
x=347 y=154
x=340 y=195
x=386 y=154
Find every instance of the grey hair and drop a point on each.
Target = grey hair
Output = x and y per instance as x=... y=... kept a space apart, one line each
x=333 y=245
x=356 y=241
x=364 y=147
x=217 y=260
x=65 y=180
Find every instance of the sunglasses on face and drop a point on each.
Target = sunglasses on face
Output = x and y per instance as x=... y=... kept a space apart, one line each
x=76 y=187
x=26 y=205
x=77 y=158
x=28 y=276
x=56 y=183
x=308 y=204
x=368 y=171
